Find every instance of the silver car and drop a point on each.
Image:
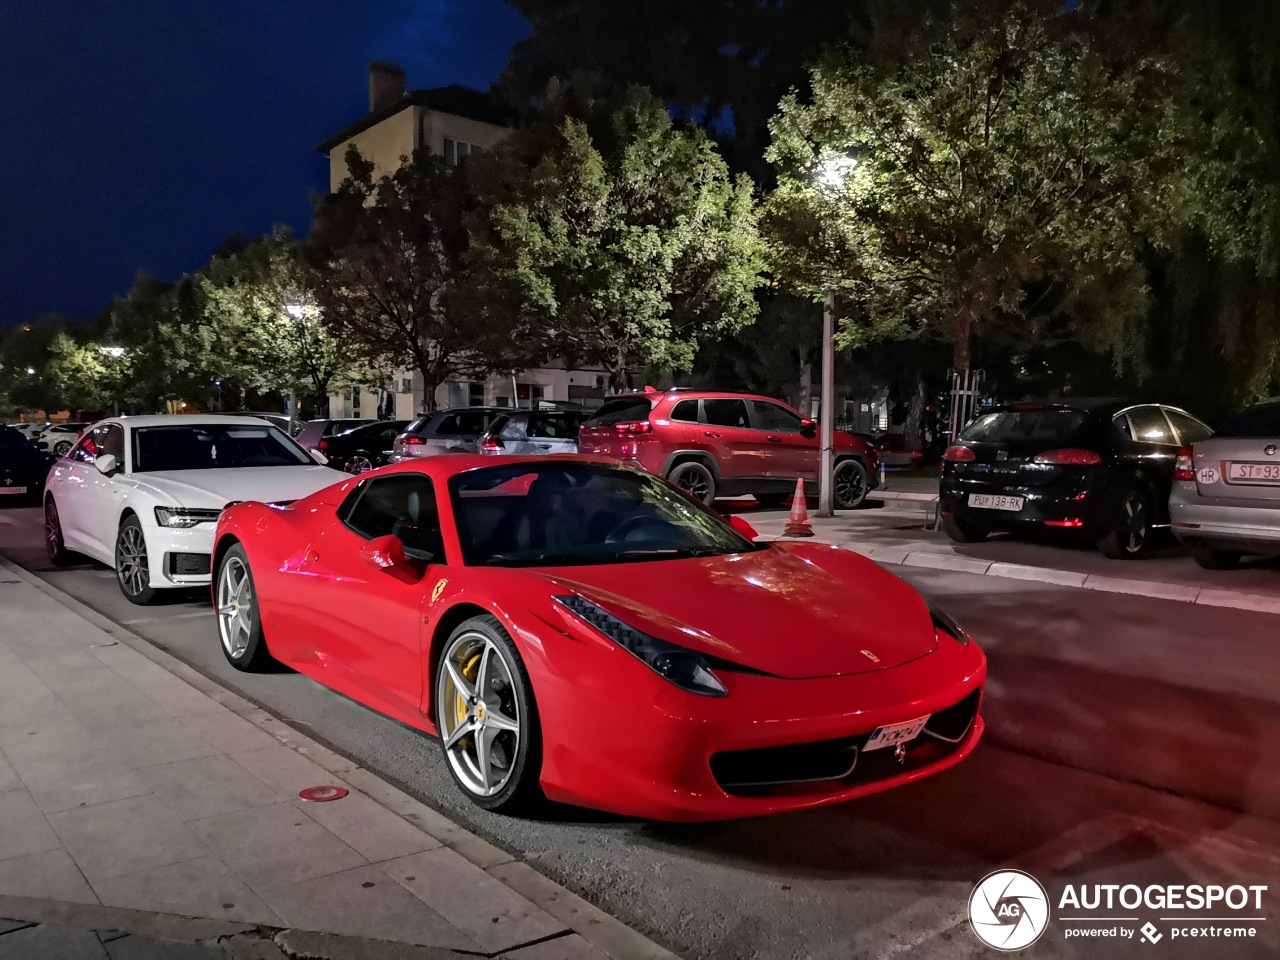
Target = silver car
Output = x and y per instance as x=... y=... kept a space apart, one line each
x=457 y=430
x=1226 y=491
x=533 y=432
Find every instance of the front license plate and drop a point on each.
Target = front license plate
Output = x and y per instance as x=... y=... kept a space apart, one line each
x=1254 y=472
x=989 y=501
x=16 y=491
x=895 y=734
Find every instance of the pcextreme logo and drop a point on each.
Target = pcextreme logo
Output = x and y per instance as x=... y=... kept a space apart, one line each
x=1009 y=910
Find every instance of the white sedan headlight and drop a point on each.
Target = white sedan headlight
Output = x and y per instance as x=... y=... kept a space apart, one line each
x=183 y=517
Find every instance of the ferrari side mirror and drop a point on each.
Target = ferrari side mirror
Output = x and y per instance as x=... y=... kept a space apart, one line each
x=744 y=528
x=385 y=553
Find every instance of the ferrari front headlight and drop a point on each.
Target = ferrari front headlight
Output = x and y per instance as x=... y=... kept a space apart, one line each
x=687 y=669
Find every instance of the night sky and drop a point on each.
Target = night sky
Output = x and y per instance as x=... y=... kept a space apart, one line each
x=139 y=134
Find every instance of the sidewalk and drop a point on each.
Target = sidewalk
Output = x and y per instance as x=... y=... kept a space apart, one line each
x=1173 y=577
x=133 y=788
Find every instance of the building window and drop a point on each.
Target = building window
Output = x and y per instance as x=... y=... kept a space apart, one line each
x=455 y=150
x=475 y=394
x=450 y=152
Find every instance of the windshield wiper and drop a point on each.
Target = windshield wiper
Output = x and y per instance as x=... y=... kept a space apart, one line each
x=534 y=560
x=672 y=552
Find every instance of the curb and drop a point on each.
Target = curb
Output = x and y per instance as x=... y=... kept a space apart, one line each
x=934 y=560
x=602 y=930
x=902 y=495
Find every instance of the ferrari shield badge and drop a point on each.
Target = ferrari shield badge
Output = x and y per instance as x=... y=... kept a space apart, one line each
x=870 y=656
x=438 y=589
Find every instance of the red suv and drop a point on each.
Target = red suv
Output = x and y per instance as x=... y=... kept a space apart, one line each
x=725 y=445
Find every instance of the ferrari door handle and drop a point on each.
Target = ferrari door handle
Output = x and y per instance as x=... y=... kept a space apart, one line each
x=711 y=433
x=775 y=439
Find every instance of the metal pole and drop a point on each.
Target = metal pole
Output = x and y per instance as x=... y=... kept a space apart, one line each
x=827 y=408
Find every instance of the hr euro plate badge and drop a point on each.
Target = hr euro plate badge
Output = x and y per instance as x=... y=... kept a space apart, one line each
x=895 y=734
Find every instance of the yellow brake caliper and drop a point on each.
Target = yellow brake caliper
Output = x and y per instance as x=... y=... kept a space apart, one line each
x=470 y=671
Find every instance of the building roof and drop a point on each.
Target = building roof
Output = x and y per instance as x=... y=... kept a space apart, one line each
x=457 y=100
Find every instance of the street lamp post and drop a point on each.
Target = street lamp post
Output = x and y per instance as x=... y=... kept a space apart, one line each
x=830 y=174
x=827 y=408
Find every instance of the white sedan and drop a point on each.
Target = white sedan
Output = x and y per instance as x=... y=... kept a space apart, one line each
x=143 y=494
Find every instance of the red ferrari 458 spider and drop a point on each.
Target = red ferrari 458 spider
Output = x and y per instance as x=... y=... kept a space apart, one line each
x=578 y=629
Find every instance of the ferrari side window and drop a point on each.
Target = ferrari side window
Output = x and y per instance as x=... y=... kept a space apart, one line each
x=401 y=506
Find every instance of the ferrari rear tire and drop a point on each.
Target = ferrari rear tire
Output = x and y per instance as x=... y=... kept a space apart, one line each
x=487 y=717
x=133 y=568
x=235 y=601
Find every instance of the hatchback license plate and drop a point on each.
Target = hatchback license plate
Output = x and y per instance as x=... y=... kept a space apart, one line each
x=16 y=491
x=1253 y=472
x=895 y=734
x=990 y=501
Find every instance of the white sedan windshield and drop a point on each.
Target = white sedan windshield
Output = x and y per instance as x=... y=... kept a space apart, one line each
x=213 y=446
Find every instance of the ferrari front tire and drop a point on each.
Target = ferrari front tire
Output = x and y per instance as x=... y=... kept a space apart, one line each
x=239 y=618
x=487 y=718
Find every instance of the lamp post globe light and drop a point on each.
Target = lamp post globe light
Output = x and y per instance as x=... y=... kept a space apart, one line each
x=830 y=174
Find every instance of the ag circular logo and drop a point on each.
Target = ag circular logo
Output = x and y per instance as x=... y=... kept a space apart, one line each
x=1008 y=910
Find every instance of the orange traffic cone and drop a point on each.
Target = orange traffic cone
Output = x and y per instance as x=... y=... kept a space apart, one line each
x=798 y=523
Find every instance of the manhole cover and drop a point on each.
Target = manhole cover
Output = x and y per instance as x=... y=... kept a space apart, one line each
x=320 y=794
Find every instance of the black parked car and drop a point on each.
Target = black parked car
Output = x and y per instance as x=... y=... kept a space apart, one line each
x=1101 y=468
x=23 y=466
x=362 y=448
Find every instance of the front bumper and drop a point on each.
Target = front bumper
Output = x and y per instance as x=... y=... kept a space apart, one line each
x=179 y=558
x=645 y=748
x=1235 y=525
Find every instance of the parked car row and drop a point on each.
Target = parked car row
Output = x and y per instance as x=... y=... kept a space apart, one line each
x=1118 y=473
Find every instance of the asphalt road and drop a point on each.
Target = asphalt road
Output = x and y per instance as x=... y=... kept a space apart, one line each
x=1129 y=741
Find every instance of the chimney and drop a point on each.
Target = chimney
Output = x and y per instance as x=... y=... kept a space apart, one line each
x=386 y=85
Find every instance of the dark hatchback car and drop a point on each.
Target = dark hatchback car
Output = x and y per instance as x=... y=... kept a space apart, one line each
x=1102 y=469
x=23 y=466
x=362 y=448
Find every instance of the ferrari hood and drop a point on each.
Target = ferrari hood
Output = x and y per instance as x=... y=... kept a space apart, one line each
x=791 y=611
x=214 y=489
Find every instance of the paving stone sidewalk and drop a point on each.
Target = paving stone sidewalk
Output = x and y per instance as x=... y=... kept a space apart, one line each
x=124 y=786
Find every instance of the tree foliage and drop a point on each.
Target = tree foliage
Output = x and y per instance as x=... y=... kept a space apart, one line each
x=264 y=324
x=609 y=234
x=1000 y=169
x=391 y=284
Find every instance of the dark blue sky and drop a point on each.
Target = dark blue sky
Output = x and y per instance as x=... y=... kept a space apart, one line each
x=139 y=134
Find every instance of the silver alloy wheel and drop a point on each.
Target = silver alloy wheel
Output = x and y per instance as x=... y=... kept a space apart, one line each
x=131 y=560
x=358 y=465
x=235 y=607
x=477 y=713
x=62 y=448
x=52 y=528
x=1134 y=523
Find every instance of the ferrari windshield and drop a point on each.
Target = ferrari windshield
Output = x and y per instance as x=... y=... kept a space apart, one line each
x=565 y=512
x=209 y=446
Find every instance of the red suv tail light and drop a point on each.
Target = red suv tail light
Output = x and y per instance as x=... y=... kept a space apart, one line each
x=322 y=445
x=491 y=446
x=413 y=441
x=1068 y=457
x=958 y=454
x=632 y=426
x=1184 y=467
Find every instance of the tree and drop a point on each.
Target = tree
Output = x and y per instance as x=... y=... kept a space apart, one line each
x=392 y=268
x=267 y=328
x=997 y=176
x=724 y=64
x=608 y=234
x=87 y=377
